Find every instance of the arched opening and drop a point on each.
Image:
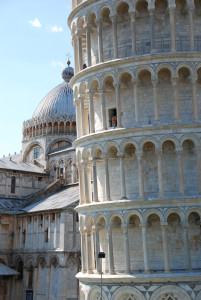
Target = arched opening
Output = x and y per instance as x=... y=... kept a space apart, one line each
x=198 y=90
x=185 y=95
x=190 y=167
x=107 y=35
x=126 y=100
x=155 y=243
x=194 y=233
x=175 y=242
x=170 y=169
x=123 y=30
x=118 y=242
x=145 y=96
x=131 y=171
x=182 y=36
x=165 y=103
x=150 y=170
x=162 y=36
x=135 y=244
x=143 y=44
x=110 y=104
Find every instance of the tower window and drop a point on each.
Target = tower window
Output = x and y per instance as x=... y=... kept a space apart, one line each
x=112 y=113
x=36 y=152
x=13 y=183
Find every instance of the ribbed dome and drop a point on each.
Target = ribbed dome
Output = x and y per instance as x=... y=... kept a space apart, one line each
x=59 y=101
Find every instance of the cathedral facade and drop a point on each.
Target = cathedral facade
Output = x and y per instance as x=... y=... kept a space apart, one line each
x=39 y=232
x=137 y=94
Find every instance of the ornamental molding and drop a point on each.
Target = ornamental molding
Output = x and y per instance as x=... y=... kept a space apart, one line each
x=184 y=57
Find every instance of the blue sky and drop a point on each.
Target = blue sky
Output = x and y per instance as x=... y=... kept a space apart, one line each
x=35 y=41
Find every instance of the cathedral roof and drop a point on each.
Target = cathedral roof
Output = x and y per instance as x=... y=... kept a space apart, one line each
x=67 y=197
x=59 y=101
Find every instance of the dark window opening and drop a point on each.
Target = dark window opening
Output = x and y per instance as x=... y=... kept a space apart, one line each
x=29 y=295
x=77 y=217
x=36 y=152
x=24 y=237
x=112 y=117
x=52 y=217
x=40 y=178
x=61 y=172
x=13 y=183
x=46 y=235
x=55 y=168
x=30 y=279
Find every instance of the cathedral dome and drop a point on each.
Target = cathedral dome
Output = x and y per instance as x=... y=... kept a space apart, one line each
x=59 y=101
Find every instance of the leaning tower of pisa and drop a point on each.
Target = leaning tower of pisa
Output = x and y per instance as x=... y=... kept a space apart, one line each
x=137 y=93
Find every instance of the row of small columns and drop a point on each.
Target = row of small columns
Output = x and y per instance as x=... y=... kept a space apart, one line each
x=80 y=110
x=25 y=225
x=77 y=38
x=65 y=175
x=84 y=166
x=89 y=247
x=42 y=130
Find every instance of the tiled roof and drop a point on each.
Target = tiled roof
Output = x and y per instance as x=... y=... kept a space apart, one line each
x=11 y=206
x=14 y=163
x=68 y=197
x=6 y=271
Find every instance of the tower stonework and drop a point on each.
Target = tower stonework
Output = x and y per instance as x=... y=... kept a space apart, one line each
x=137 y=94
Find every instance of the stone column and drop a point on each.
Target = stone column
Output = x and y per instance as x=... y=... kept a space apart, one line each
x=155 y=92
x=95 y=185
x=58 y=127
x=145 y=250
x=57 y=172
x=122 y=176
x=194 y=93
x=191 y=28
x=103 y=113
x=199 y=168
x=107 y=182
x=160 y=173
x=75 y=48
x=52 y=127
x=181 y=175
x=164 y=227
x=140 y=174
x=86 y=187
x=110 y=251
x=152 y=33
x=187 y=248
x=49 y=233
x=91 y=112
x=137 y=109
x=100 y=40
x=175 y=99
x=83 y=251
x=88 y=37
x=126 y=249
x=172 y=28
x=90 y=253
x=80 y=58
x=133 y=33
x=115 y=39
x=78 y=117
x=97 y=249
x=82 y=115
x=20 y=185
x=118 y=105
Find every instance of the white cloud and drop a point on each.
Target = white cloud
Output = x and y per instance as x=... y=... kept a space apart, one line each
x=57 y=64
x=35 y=23
x=55 y=28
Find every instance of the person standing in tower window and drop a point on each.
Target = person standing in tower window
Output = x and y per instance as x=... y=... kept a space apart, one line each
x=114 y=121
